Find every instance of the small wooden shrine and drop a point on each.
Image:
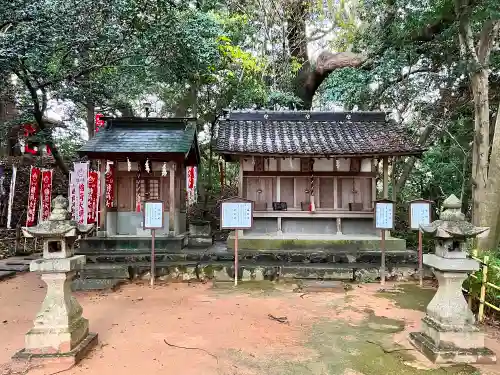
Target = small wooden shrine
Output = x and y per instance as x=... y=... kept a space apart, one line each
x=143 y=158
x=312 y=174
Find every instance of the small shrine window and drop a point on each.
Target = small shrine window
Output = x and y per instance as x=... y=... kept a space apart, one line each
x=306 y=164
x=149 y=188
x=259 y=164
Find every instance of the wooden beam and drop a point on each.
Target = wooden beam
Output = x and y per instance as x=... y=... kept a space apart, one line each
x=308 y=174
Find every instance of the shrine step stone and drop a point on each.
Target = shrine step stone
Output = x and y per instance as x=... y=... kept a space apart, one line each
x=6 y=274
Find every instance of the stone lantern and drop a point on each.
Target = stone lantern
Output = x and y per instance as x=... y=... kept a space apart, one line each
x=448 y=332
x=60 y=331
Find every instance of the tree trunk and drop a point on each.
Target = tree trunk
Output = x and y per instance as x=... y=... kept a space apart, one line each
x=90 y=119
x=481 y=144
x=490 y=204
x=410 y=162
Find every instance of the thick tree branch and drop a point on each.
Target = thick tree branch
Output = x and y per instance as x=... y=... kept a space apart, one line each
x=486 y=40
x=38 y=114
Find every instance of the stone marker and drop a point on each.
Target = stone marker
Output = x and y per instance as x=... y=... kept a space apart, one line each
x=60 y=333
x=449 y=333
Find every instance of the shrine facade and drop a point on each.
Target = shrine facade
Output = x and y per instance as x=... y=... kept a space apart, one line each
x=143 y=158
x=312 y=174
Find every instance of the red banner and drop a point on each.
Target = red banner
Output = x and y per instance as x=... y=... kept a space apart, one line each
x=46 y=194
x=92 y=197
x=110 y=193
x=33 y=195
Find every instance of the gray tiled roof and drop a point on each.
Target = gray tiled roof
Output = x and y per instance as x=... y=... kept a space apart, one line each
x=313 y=133
x=141 y=135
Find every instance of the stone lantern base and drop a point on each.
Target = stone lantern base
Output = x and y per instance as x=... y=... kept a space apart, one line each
x=448 y=333
x=448 y=352
x=60 y=333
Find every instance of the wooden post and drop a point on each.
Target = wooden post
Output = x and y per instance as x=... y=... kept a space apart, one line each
x=171 y=209
x=382 y=265
x=104 y=209
x=385 y=182
x=152 y=281
x=236 y=258
x=240 y=180
x=482 y=297
x=420 y=260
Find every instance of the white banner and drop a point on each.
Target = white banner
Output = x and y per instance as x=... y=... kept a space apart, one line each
x=72 y=195
x=191 y=184
x=81 y=192
x=11 y=195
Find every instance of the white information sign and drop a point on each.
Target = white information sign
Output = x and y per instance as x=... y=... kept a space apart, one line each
x=236 y=215
x=153 y=215
x=419 y=214
x=384 y=215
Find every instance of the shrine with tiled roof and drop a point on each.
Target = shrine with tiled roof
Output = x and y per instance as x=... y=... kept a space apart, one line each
x=312 y=173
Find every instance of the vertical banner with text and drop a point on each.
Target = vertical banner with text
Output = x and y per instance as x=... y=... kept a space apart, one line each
x=33 y=195
x=72 y=195
x=110 y=192
x=46 y=193
x=93 y=184
x=191 y=182
x=81 y=192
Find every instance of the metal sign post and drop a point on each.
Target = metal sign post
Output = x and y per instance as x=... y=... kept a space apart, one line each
x=420 y=214
x=384 y=220
x=237 y=214
x=153 y=219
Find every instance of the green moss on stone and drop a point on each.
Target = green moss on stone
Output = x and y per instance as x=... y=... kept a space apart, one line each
x=410 y=296
x=297 y=244
x=208 y=270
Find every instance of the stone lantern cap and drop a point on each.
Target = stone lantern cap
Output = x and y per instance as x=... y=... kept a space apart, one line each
x=452 y=223
x=59 y=223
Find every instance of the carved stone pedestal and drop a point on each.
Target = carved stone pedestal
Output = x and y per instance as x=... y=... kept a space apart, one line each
x=448 y=333
x=59 y=333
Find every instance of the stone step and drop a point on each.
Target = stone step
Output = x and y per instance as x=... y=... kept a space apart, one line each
x=162 y=244
x=6 y=274
x=287 y=256
x=319 y=242
x=95 y=284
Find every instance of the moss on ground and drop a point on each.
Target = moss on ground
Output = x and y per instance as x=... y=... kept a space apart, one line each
x=366 y=349
x=409 y=296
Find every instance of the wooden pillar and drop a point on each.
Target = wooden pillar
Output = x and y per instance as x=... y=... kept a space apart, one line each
x=240 y=180
x=102 y=218
x=385 y=186
x=172 y=199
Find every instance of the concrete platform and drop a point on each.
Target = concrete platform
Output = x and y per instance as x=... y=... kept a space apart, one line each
x=275 y=241
x=451 y=354
x=70 y=358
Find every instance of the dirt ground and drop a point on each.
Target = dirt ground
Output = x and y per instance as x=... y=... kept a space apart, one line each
x=217 y=330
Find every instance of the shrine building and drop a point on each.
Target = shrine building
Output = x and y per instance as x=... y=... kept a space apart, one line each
x=312 y=175
x=148 y=158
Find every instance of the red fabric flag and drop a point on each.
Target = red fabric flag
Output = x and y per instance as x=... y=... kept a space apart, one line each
x=46 y=194
x=92 y=197
x=33 y=195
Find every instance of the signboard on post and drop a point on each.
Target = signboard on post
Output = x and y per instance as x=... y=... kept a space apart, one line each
x=420 y=214
x=153 y=218
x=237 y=214
x=384 y=220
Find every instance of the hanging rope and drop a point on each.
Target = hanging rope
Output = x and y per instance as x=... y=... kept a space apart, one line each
x=312 y=206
